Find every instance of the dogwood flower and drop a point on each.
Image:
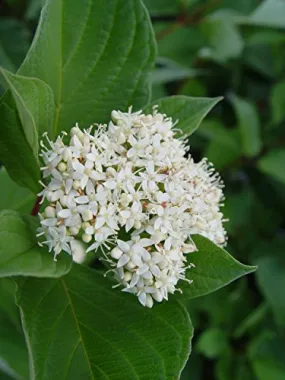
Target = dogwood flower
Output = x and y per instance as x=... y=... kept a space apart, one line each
x=130 y=190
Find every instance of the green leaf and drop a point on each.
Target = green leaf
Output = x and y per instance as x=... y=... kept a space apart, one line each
x=169 y=71
x=95 y=55
x=7 y=304
x=223 y=36
x=260 y=59
x=15 y=152
x=13 y=196
x=13 y=351
x=215 y=131
x=35 y=105
x=20 y=254
x=212 y=342
x=162 y=7
x=14 y=37
x=33 y=9
x=248 y=124
x=266 y=354
x=178 y=42
x=278 y=102
x=188 y=111
x=221 y=139
x=214 y=268
x=270 y=275
x=252 y=321
x=273 y=164
x=103 y=333
x=270 y=13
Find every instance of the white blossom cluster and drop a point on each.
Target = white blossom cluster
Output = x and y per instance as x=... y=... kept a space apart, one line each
x=128 y=189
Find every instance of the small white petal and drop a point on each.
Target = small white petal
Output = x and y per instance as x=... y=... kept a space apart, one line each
x=100 y=221
x=123 y=260
x=142 y=299
x=110 y=184
x=81 y=200
x=64 y=213
x=123 y=245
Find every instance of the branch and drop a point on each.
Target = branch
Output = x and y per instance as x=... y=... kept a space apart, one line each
x=37 y=206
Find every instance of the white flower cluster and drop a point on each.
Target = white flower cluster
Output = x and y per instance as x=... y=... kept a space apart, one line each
x=129 y=190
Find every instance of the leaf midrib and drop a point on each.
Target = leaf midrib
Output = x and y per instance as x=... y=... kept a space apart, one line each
x=58 y=102
x=77 y=325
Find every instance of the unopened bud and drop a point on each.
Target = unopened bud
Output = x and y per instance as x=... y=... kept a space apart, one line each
x=86 y=238
x=50 y=212
x=61 y=166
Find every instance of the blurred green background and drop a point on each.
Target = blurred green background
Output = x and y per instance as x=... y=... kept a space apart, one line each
x=233 y=48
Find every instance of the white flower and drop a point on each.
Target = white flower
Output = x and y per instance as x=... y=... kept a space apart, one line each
x=129 y=190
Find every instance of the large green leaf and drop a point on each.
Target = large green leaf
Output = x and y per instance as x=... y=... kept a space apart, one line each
x=19 y=253
x=214 y=268
x=188 y=111
x=35 y=105
x=13 y=351
x=13 y=196
x=248 y=124
x=78 y=327
x=96 y=55
x=270 y=259
x=273 y=164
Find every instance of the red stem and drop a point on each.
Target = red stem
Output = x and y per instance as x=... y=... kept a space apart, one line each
x=36 y=207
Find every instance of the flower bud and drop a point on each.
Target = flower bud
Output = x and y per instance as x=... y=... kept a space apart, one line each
x=61 y=166
x=50 y=212
x=86 y=238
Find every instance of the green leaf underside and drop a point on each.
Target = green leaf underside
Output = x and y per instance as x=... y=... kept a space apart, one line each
x=20 y=254
x=78 y=327
x=35 y=105
x=13 y=196
x=100 y=58
x=214 y=268
x=189 y=111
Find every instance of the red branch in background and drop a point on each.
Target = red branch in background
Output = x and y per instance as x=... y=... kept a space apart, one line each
x=188 y=19
x=37 y=206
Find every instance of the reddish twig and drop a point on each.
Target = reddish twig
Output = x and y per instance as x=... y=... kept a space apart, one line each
x=37 y=206
x=187 y=19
